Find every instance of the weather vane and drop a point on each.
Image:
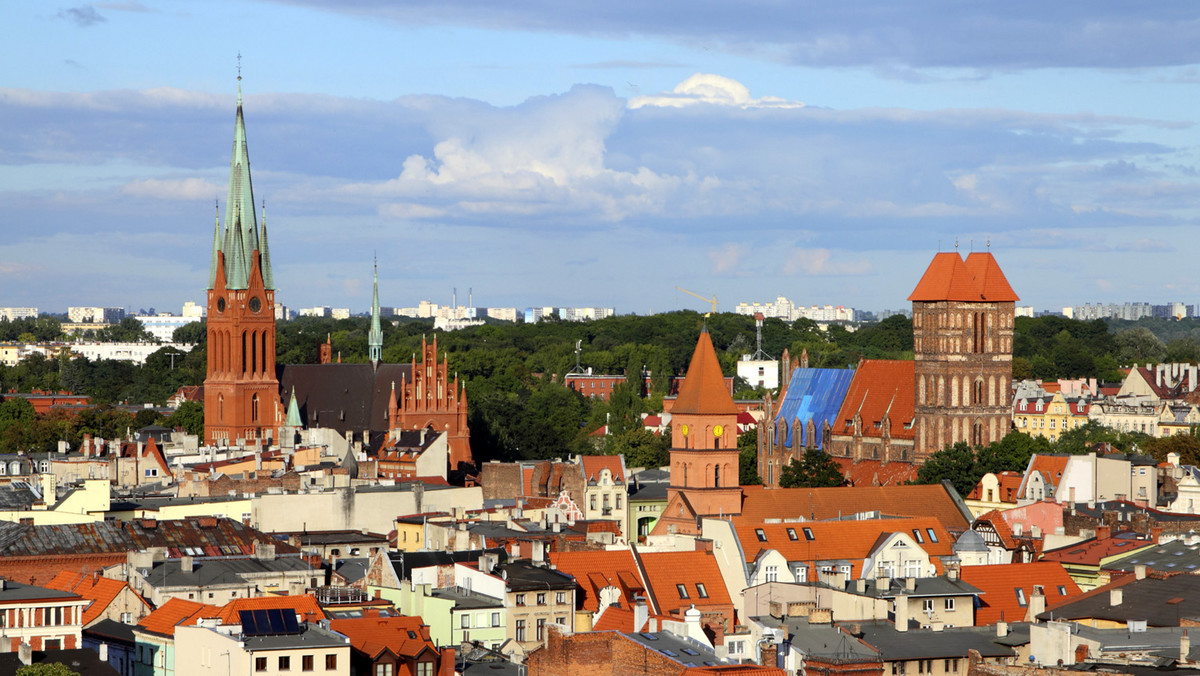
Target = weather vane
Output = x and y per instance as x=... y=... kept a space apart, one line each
x=239 y=65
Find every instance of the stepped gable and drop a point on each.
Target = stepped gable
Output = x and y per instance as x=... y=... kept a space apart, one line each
x=704 y=390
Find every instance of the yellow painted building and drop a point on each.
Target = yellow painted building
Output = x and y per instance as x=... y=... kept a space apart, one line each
x=1048 y=415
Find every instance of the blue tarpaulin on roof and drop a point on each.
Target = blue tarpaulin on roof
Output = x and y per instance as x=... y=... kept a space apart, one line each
x=812 y=394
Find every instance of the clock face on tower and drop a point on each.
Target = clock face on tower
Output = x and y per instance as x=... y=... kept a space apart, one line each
x=255 y=304
x=685 y=430
x=220 y=305
x=718 y=431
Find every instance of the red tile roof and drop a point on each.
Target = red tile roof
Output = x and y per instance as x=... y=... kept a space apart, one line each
x=404 y=636
x=817 y=504
x=40 y=570
x=1093 y=552
x=704 y=390
x=305 y=605
x=594 y=464
x=176 y=612
x=876 y=472
x=977 y=279
x=999 y=583
x=101 y=591
x=616 y=618
x=666 y=570
x=852 y=540
x=1009 y=486
x=594 y=571
x=880 y=388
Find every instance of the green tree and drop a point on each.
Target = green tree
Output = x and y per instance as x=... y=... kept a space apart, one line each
x=1186 y=445
x=1009 y=454
x=815 y=469
x=1184 y=350
x=641 y=448
x=1139 y=345
x=46 y=669
x=954 y=463
x=748 y=458
x=189 y=417
x=192 y=334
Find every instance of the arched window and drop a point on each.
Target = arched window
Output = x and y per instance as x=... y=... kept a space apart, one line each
x=221 y=408
x=717 y=476
x=254 y=408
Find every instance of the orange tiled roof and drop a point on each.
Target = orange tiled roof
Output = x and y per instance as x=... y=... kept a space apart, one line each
x=305 y=605
x=404 y=636
x=880 y=388
x=999 y=583
x=1093 y=552
x=617 y=618
x=815 y=504
x=40 y=570
x=949 y=277
x=837 y=539
x=704 y=390
x=876 y=472
x=594 y=571
x=101 y=591
x=666 y=570
x=594 y=464
x=1051 y=467
x=176 y=612
x=1009 y=487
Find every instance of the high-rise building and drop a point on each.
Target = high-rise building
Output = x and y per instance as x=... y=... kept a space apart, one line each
x=962 y=344
x=241 y=393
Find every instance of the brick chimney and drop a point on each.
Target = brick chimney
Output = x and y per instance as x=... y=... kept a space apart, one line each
x=1037 y=603
x=770 y=655
x=1103 y=532
x=1156 y=534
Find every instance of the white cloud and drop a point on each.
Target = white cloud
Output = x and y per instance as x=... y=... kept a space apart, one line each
x=818 y=262
x=174 y=189
x=726 y=258
x=710 y=89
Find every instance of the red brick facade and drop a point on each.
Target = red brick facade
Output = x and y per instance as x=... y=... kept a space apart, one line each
x=433 y=401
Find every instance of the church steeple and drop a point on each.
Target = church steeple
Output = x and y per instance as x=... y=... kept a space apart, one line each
x=375 y=337
x=240 y=221
x=216 y=248
x=265 y=254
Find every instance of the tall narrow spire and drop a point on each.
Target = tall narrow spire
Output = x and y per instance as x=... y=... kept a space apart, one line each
x=375 y=339
x=216 y=248
x=239 y=204
x=265 y=254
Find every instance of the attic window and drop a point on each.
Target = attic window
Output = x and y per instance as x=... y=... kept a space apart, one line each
x=701 y=590
x=682 y=589
x=808 y=534
x=917 y=534
x=932 y=535
x=878 y=424
x=792 y=534
x=1062 y=590
x=413 y=634
x=1020 y=597
x=762 y=536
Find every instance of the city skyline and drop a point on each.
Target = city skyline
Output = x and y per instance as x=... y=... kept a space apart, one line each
x=511 y=152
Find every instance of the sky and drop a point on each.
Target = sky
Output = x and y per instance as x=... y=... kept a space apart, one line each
x=602 y=154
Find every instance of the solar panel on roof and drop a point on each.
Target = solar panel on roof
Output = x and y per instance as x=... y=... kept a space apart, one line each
x=269 y=622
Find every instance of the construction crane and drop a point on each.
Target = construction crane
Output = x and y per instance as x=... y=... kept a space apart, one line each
x=712 y=300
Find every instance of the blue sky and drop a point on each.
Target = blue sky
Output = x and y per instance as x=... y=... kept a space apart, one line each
x=602 y=153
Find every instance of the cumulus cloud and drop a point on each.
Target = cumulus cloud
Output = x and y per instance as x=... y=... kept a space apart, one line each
x=83 y=16
x=174 y=189
x=819 y=262
x=711 y=89
x=727 y=257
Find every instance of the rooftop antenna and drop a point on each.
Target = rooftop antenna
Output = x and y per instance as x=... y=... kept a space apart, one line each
x=578 y=367
x=759 y=355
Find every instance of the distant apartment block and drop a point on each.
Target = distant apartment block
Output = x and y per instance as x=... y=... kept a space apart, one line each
x=784 y=309
x=567 y=314
x=15 y=313
x=95 y=315
x=194 y=311
x=1131 y=311
x=162 y=326
x=506 y=314
x=283 y=313
x=340 y=313
x=318 y=311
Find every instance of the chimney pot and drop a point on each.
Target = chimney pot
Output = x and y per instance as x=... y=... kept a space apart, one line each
x=1116 y=596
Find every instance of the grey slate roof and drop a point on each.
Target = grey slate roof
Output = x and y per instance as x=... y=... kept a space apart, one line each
x=922 y=586
x=683 y=650
x=1161 y=603
x=468 y=600
x=1172 y=557
x=83 y=661
x=352 y=569
x=970 y=541
x=205 y=536
x=218 y=572
x=312 y=636
x=405 y=562
x=524 y=576
x=345 y=397
x=827 y=640
x=18 y=495
x=920 y=644
x=15 y=591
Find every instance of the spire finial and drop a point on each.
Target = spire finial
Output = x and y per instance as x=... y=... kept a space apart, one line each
x=956 y=244
x=239 y=67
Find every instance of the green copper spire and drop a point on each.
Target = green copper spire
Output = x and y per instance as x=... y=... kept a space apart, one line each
x=375 y=338
x=239 y=204
x=212 y=267
x=237 y=267
x=293 y=412
x=265 y=254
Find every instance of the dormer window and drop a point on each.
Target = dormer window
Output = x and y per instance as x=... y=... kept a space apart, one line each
x=760 y=534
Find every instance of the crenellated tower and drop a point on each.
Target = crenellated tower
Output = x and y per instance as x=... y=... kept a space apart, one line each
x=241 y=392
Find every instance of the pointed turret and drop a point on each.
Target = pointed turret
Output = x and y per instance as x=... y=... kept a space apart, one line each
x=216 y=249
x=265 y=254
x=239 y=206
x=237 y=268
x=375 y=337
x=704 y=389
x=293 y=412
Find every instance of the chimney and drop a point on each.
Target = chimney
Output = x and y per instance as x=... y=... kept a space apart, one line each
x=641 y=613
x=860 y=585
x=770 y=655
x=264 y=551
x=1037 y=603
x=952 y=573
x=1116 y=596
x=25 y=653
x=1001 y=629
x=910 y=584
x=186 y=564
x=103 y=652
x=1156 y=534
x=901 y=614
x=1139 y=571
x=1185 y=647
x=1103 y=532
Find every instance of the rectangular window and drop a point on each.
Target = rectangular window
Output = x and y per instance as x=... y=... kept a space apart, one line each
x=701 y=590
x=330 y=662
x=762 y=536
x=808 y=534
x=682 y=589
x=801 y=573
x=495 y=619
x=520 y=630
x=927 y=605
x=465 y=621
x=541 y=628
x=932 y=535
x=425 y=669
x=285 y=663
x=949 y=605
x=772 y=574
x=560 y=597
x=792 y=534
x=520 y=599
x=260 y=664
x=541 y=599
x=306 y=663
x=383 y=670
x=917 y=534
x=1020 y=596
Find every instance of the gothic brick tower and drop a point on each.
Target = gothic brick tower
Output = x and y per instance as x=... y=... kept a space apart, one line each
x=962 y=342
x=241 y=393
x=704 y=453
x=433 y=400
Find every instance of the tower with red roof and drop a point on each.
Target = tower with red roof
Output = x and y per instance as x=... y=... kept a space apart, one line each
x=963 y=313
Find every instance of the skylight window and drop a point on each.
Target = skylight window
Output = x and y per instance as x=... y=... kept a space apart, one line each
x=682 y=589
x=1020 y=597
x=701 y=590
x=808 y=534
x=932 y=535
x=917 y=534
x=760 y=534
x=792 y=534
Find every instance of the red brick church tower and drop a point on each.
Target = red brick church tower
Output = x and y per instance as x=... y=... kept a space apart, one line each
x=962 y=344
x=241 y=393
x=704 y=453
